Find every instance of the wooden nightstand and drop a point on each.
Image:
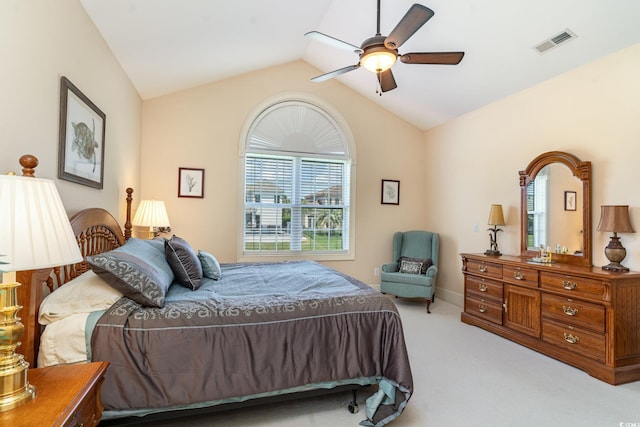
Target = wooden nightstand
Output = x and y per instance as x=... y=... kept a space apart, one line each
x=66 y=395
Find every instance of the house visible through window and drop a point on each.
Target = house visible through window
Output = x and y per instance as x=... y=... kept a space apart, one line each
x=297 y=174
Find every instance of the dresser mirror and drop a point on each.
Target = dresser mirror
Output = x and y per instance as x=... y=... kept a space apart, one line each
x=555 y=208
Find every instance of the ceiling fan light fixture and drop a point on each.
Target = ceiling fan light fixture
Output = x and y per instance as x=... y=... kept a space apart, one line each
x=378 y=59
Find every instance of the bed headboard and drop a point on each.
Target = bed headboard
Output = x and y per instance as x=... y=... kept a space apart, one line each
x=96 y=231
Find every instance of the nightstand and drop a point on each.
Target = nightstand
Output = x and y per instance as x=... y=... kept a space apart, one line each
x=66 y=395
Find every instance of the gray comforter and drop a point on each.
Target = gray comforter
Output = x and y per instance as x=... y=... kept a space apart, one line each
x=261 y=328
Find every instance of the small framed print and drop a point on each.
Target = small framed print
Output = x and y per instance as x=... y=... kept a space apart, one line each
x=569 y=200
x=81 y=138
x=390 y=192
x=191 y=183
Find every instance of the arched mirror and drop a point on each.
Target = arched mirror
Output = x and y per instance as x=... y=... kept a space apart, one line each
x=555 y=208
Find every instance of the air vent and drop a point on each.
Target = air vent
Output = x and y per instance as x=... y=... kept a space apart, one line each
x=555 y=41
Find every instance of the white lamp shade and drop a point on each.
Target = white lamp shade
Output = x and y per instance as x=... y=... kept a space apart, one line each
x=151 y=213
x=34 y=228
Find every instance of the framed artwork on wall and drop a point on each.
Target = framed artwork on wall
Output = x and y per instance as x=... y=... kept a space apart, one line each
x=569 y=200
x=81 y=138
x=191 y=182
x=390 y=192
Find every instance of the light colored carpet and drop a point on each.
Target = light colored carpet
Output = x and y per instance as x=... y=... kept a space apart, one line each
x=463 y=376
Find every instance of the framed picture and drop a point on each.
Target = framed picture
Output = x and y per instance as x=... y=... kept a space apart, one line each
x=191 y=182
x=390 y=192
x=569 y=200
x=81 y=140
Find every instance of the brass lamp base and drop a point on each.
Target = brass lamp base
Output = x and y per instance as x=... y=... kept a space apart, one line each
x=615 y=253
x=15 y=389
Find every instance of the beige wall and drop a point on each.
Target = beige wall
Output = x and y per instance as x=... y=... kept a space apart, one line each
x=40 y=41
x=592 y=112
x=201 y=128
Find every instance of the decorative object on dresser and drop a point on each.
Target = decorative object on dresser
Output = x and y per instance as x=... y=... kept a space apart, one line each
x=152 y=214
x=35 y=233
x=569 y=310
x=615 y=219
x=69 y=395
x=496 y=218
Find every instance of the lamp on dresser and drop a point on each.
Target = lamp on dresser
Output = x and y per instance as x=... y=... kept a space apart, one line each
x=496 y=218
x=615 y=218
x=152 y=214
x=35 y=233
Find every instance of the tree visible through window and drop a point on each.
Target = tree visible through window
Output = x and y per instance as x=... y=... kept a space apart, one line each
x=296 y=183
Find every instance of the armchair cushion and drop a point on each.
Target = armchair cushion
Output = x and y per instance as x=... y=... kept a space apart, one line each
x=409 y=262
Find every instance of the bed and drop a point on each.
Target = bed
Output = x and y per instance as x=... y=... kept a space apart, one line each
x=246 y=332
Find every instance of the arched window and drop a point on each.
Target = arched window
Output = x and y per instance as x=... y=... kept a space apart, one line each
x=297 y=175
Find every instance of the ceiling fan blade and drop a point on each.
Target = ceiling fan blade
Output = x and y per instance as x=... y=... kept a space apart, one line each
x=387 y=82
x=335 y=73
x=446 y=58
x=416 y=17
x=321 y=37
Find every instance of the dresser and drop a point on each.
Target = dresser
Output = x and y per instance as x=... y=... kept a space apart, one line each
x=583 y=316
x=66 y=395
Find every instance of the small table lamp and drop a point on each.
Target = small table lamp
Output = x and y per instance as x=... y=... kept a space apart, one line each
x=152 y=214
x=35 y=233
x=496 y=218
x=616 y=219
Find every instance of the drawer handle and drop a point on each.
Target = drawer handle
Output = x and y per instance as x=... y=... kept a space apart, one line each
x=569 y=311
x=482 y=269
x=482 y=308
x=482 y=287
x=571 y=339
x=518 y=275
x=569 y=285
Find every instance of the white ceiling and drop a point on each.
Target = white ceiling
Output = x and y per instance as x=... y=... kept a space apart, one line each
x=169 y=45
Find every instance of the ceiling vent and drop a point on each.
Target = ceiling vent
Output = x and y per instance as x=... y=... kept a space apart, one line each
x=554 y=41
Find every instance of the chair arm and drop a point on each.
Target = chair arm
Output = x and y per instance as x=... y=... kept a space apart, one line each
x=391 y=267
x=432 y=271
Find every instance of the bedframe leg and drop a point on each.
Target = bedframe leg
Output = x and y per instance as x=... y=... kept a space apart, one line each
x=353 y=405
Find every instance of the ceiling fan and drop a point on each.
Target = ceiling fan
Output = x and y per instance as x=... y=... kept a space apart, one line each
x=379 y=53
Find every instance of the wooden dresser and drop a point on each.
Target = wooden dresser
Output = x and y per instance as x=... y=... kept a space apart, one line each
x=584 y=316
x=66 y=395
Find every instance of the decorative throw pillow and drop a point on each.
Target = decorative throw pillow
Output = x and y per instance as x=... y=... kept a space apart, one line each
x=138 y=269
x=410 y=267
x=426 y=263
x=210 y=265
x=184 y=262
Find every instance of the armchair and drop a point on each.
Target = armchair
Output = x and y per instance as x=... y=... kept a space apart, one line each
x=416 y=248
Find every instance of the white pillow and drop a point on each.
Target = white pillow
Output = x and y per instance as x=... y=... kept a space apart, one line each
x=84 y=294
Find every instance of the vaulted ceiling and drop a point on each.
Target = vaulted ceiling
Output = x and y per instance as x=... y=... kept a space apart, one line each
x=169 y=45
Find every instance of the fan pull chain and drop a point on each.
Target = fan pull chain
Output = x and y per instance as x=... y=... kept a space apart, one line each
x=378 y=87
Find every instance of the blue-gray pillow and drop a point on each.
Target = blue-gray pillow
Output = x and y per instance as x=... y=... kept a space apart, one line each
x=184 y=262
x=210 y=265
x=138 y=269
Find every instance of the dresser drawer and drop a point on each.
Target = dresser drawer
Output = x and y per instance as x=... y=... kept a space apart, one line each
x=578 y=340
x=572 y=285
x=484 y=308
x=577 y=313
x=484 y=288
x=484 y=268
x=520 y=276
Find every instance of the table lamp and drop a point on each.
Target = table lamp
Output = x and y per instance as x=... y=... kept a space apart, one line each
x=35 y=233
x=496 y=218
x=615 y=218
x=152 y=214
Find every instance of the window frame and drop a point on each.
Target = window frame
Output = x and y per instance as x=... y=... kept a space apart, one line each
x=348 y=141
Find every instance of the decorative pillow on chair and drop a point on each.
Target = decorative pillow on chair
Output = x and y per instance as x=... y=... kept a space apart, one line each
x=184 y=262
x=210 y=265
x=411 y=263
x=138 y=269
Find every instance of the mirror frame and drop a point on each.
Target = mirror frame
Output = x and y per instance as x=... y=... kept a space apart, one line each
x=579 y=169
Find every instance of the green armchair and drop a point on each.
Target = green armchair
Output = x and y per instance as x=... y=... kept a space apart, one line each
x=414 y=269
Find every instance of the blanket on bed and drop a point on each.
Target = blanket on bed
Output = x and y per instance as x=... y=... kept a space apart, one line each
x=263 y=327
